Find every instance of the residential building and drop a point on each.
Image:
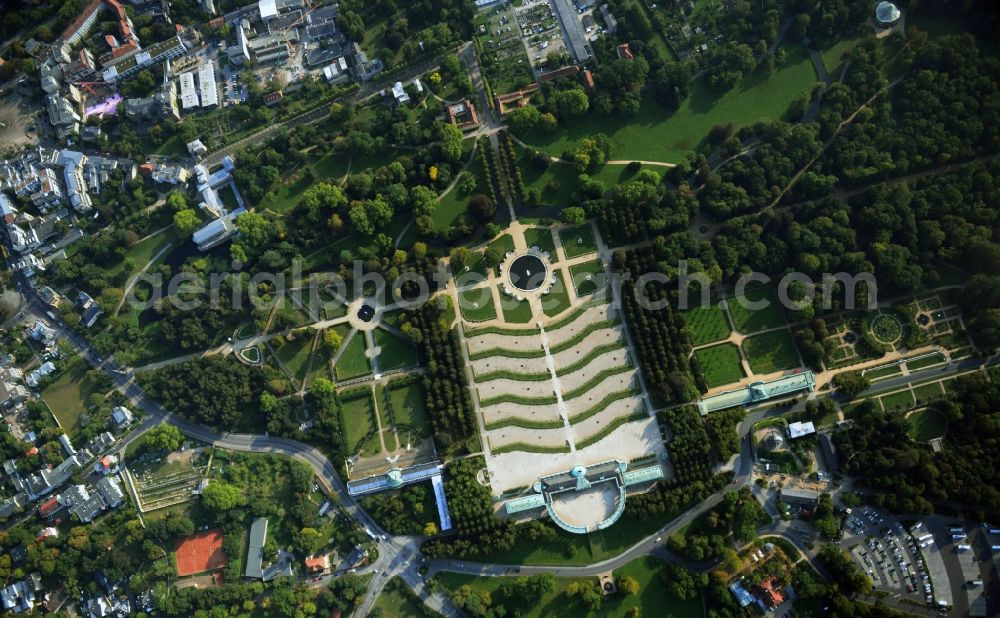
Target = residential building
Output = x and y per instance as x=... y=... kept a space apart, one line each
x=121 y=417
x=12 y=394
x=363 y=68
x=22 y=240
x=29 y=265
x=89 y=309
x=90 y=133
x=399 y=94
x=76 y=188
x=164 y=50
x=49 y=192
x=49 y=77
x=79 y=28
x=18 y=597
x=239 y=53
x=43 y=370
x=110 y=491
x=7 y=210
x=42 y=333
x=49 y=296
x=62 y=115
x=317 y=564
x=83 y=67
x=770 y=593
x=196 y=148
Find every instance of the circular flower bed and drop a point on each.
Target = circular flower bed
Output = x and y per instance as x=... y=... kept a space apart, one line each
x=886 y=328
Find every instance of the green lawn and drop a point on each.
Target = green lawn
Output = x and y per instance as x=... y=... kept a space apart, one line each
x=503 y=244
x=720 y=364
x=770 y=352
x=295 y=354
x=924 y=363
x=615 y=174
x=557 y=300
x=171 y=147
x=652 y=598
x=541 y=237
x=927 y=392
x=398 y=601
x=67 y=395
x=394 y=353
x=332 y=167
x=578 y=240
x=707 y=324
x=477 y=304
x=453 y=205
x=833 y=56
x=144 y=251
x=555 y=183
x=409 y=408
x=358 y=415
x=353 y=362
x=654 y=134
x=748 y=321
x=883 y=372
x=515 y=311
x=926 y=424
x=394 y=318
x=902 y=399
x=580 y=273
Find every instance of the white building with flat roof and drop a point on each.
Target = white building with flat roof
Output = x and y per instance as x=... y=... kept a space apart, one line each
x=799 y=429
x=189 y=96
x=399 y=93
x=207 y=87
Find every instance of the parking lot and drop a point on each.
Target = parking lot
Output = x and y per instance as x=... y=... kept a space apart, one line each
x=898 y=561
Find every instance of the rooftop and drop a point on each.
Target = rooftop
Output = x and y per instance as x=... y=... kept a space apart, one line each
x=757 y=392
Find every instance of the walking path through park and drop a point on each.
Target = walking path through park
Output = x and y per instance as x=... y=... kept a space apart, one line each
x=134 y=278
x=642 y=161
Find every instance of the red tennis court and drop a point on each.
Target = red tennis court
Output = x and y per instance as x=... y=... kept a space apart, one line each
x=200 y=552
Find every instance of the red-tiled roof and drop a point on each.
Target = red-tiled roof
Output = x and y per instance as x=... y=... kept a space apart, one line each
x=317 y=563
x=46 y=508
x=125 y=49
